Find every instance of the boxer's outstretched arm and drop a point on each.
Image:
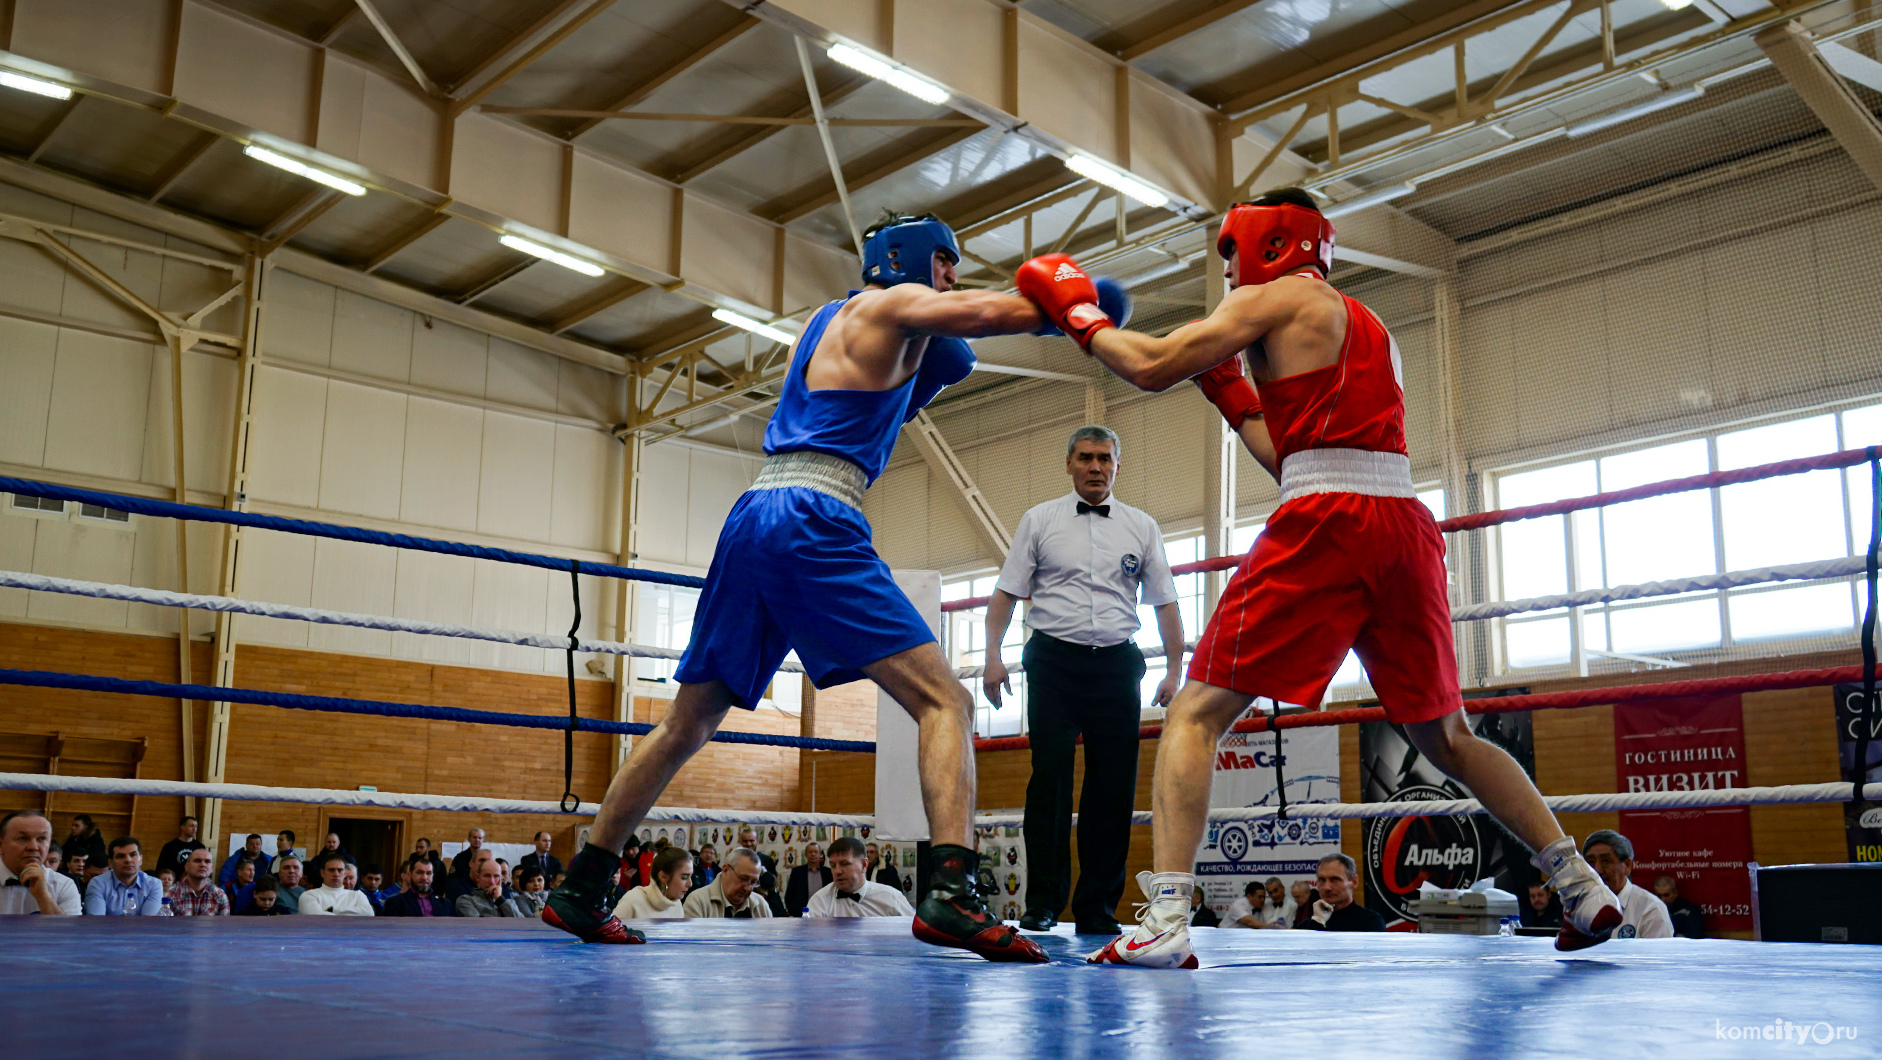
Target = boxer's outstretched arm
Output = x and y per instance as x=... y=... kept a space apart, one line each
x=1157 y=364
x=958 y=314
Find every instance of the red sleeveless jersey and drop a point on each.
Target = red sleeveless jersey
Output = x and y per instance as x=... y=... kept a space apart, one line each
x=1357 y=402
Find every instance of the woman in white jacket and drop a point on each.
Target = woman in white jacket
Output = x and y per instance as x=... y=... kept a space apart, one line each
x=672 y=873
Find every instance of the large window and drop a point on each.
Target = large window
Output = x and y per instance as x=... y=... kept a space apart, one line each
x=967 y=646
x=1790 y=519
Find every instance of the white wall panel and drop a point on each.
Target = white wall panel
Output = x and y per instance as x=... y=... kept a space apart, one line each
x=443 y=450
x=16 y=553
x=522 y=376
x=390 y=111
x=517 y=485
x=587 y=473
x=349 y=576
x=449 y=358
x=153 y=564
x=713 y=486
x=510 y=597
x=507 y=171
x=589 y=392
x=75 y=550
x=208 y=413
x=434 y=588
x=664 y=470
x=99 y=390
x=361 y=455
x=28 y=353
x=34 y=280
x=371 y=338
x=297 y=323
x=285 y=444
x=277 y=568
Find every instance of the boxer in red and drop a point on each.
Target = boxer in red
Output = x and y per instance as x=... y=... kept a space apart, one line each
x=1350 y=560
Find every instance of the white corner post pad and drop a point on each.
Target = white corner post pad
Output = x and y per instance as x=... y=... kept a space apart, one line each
x=899 y=813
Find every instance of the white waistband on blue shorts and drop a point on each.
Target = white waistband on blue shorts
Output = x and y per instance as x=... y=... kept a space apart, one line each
x=1346 y=471
x=829 y=475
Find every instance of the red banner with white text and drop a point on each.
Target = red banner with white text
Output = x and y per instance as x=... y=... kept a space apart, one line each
x=1696 y=743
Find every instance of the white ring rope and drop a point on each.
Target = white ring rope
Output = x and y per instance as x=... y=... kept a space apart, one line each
x=1842 y=567
x=1838 y=791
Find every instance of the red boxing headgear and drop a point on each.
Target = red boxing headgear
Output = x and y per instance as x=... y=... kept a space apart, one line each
x=1274 y=241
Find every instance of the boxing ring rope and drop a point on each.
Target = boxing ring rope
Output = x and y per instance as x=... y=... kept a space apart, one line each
x=1788 y=794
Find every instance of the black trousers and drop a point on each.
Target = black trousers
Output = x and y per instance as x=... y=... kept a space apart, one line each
x=1073 y=690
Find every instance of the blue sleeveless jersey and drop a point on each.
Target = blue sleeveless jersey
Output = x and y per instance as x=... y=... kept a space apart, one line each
x=858 y=425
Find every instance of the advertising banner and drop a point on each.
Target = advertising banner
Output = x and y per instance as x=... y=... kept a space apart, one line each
x=1692 y=744
x=1400 y=853
x=1862 y=820
x=1235 y=852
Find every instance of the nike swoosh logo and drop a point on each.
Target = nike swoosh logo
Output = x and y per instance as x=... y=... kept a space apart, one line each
x=1133 y=945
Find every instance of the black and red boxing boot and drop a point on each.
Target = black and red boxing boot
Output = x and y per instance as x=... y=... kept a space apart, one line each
x=580 y=905
x=953 y=915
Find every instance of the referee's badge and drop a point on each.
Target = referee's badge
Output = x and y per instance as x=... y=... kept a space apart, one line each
x=1130 y=564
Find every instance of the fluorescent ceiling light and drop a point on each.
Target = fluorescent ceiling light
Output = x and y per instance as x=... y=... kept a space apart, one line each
x=1371 y=198
x=34 y=85
x=914 y=84
x=262 y=154
x=567 y=261
x=1676 y=5
x=740 y=320
x=1670 y=98
x=1112 y=177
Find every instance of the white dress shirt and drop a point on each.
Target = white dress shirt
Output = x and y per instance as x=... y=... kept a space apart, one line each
x=1085 y=574
x=16 y=898
x=1643 y=915
x=335 y=901
x=878 y=899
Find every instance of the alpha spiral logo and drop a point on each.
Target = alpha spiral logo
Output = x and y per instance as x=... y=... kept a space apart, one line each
x=1407 y=852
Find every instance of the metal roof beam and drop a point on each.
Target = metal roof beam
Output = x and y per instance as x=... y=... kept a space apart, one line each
x=985 y=53
x=1171 y=32
x=660 y=77
x=1833 y=102
x=877 y=165
x=680 y=171
x=189 y=157
x=502 y=51
x=406 y=58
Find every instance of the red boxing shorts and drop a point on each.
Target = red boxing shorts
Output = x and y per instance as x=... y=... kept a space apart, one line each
x=1332 y=572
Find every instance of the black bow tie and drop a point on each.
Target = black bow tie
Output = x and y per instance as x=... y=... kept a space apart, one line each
x=854 y=896
x=14 y=883
x=1102 y=509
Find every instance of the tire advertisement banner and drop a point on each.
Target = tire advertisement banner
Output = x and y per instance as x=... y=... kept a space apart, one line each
x=1692 y=744
x=1235 y=852
x=1400 y=853
x=1862 y=820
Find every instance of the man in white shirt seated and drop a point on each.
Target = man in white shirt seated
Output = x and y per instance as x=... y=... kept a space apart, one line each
x=733 y=893
x=1643 y=915
x=26 y=885
x=659 y=899
x=850 y=892
x=332 y=898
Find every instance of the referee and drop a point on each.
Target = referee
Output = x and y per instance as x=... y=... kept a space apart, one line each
x=1083 y=560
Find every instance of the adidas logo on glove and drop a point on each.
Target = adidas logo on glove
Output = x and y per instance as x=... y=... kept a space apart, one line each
x=1067 y=271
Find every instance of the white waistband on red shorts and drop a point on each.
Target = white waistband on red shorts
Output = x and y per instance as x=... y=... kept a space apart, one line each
x=1346 y=471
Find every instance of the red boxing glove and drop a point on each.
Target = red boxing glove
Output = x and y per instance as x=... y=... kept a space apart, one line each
x=1064 y=295
x=1227 y=386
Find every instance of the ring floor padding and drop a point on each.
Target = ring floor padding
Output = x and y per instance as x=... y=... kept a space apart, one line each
x=292 y=988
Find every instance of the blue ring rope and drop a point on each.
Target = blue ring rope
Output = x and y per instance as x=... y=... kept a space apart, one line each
x=334 y=704
x=198 y=513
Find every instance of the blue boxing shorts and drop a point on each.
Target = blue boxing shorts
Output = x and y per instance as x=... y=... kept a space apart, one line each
x=795 y=569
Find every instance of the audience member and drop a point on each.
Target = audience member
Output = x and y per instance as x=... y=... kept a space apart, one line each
x=731 y=892
x=283 y=845
x=167 y=876
x=26 y=884
x=460 y=865
x=332 y=898
x=647 y=854
x=1278 y=909
x=370 y=877
x=55 y=858
x=173 y=853
x=351 y=880
x=1202 y=915
x=1689 y=921
x=332 y=846
x=504 y=871
x=541 y=859
x=265 y=900
x=630 y=867
x=438 y=868
x=660 y=900
x=882 y=869
x=241 y=890
x=851 y=893
x=1643 y=915
x=530 y=894
x=92 y=870
x=195 y=894
x=84 y=839
x=397 y=886
x=416 y=899
x=487 y=899
x=1305 y=896
x=1335 y=910
x=748 y=838
x=251 y=851
x=1543 y=909
x=706 y=866
x=288 y=875
x=806 y=879
x=72 y=867
x=768 y=890
x=1243 y=912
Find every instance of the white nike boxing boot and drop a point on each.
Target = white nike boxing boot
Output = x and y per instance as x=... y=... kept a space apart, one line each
x=1590 y=911
x=1161 y=939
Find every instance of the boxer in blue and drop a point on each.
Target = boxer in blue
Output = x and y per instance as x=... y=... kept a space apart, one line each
x=794 y=568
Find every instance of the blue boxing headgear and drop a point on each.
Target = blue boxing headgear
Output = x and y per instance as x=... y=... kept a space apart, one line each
x=904 y=253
